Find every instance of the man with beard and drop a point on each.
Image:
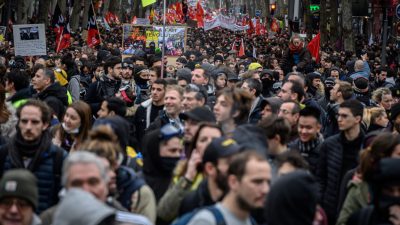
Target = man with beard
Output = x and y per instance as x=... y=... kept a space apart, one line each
x=248 y=179
x=128 y=86
x=31 y=148
x=107 y=85
x=215 y=163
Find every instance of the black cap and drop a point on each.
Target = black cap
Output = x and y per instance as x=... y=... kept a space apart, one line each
x=220 y=148
x=199 y=114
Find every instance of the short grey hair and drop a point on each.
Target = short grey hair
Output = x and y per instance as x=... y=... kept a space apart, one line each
x=83 y=157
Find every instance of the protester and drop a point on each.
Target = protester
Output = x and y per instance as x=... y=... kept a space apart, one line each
x=31 y=148
x=19 y=198
x=154 y=114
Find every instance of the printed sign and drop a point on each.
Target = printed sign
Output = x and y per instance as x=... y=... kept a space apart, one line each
x=29 y=39
x=152 y=37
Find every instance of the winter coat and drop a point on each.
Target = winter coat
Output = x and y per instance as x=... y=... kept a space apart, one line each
x=56 y=97
x=288 y=61
x=357 y=198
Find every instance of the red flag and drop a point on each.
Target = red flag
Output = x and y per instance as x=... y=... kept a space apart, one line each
x=58 y=21
x=313 y=47
x=64 y=40
x=263 y=31
x=274 y=26
x=199 y=15
x=258 y=27
x=192 y=13
x=179 y=12
x=241 y=49
x=233 y=47
x=93 y=37
x=251 y=27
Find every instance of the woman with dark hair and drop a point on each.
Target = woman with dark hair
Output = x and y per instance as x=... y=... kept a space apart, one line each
x=358 y=195
x=75 y=126
x=187 y=173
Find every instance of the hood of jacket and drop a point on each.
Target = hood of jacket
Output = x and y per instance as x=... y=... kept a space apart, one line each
x=292 y=200
x=54 y=90
x=79 y=207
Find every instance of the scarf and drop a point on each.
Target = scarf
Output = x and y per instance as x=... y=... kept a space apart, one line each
x=306 y=147
x=295 y=49
x=18 y=149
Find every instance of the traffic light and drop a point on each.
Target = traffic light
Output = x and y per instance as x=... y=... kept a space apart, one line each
x=272 y=8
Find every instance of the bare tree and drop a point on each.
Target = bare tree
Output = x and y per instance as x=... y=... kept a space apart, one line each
x=308 y=18
x=86 y=8
x=279 y=7
x=22 y=11
x=347 y=25
x=334 y=22
x=74 y=20
x=43 y=11
x=323 y=22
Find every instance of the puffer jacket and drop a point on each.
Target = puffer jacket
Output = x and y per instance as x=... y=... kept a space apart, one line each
x=49 y=183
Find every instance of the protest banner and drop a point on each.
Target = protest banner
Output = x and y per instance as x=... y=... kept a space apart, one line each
x=175 y=37
x=224 y=22
x=29 y=39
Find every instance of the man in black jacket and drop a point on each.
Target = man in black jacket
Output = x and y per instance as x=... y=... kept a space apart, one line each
x=107 y=85
x=338 y=154
x=50 y=91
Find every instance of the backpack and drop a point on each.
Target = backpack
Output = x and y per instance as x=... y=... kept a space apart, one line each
x=128 y=182
x=219 y=218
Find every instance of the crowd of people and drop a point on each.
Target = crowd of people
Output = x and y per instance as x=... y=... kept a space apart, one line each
x=94 y=136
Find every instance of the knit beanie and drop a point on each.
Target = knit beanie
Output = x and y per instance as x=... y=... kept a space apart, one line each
x=360 y=85
x=20 y=183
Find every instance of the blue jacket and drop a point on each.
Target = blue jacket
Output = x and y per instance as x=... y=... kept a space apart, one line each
x=49 y=180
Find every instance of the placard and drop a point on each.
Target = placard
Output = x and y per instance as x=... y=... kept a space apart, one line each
x=29 y=39
x=175 y=37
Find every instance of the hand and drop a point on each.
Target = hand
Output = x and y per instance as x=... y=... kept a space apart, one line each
x=191 y=171
x=294 y=68
x=394 y=214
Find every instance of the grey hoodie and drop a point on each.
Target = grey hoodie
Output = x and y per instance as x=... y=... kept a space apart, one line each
x=79 y=207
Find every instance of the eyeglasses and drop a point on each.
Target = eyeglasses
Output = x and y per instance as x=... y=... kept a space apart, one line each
x=168 y=131
x=7 y=203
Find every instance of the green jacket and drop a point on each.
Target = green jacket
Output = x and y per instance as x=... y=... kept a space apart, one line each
x=357 y=198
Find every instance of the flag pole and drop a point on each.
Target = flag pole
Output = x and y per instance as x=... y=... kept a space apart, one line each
x=163 y=38
x=59 y=41
x=95 y=20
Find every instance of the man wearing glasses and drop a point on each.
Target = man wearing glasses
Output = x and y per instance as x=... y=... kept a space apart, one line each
x=339 y=154
x=18 y=198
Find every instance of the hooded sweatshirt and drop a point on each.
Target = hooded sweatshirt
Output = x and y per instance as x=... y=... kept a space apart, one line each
x=79 y=207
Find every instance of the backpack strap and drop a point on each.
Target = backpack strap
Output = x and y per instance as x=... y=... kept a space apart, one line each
x=219 y=218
